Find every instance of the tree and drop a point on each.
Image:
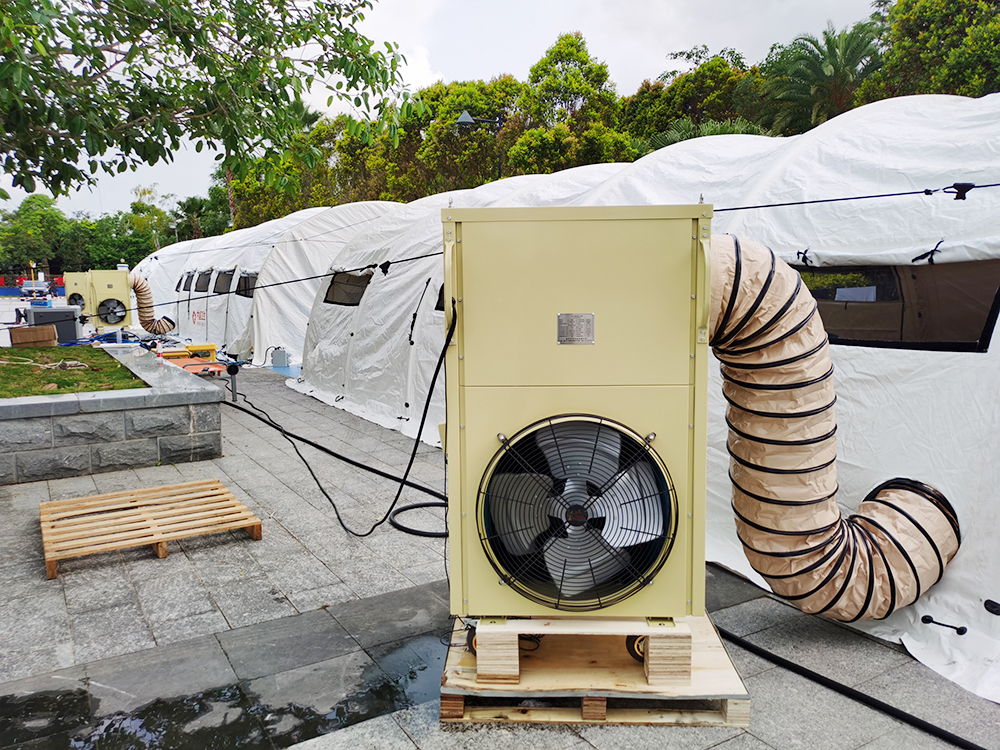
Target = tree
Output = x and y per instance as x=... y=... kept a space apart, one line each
x=568 y=84
x=717 y=88
x=814 y=79
x=109 y=85
x=939 y=47
x=188 y=215
x=31 y=233
x=547 y=150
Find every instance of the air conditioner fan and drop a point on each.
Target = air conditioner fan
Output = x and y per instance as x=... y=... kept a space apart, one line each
x=111 y=311
x=576 y=512
x=76 y=299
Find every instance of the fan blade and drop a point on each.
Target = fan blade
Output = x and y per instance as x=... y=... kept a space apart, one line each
x=631 y=508
x=580 y=449
x=580 y=562
x=520 y=506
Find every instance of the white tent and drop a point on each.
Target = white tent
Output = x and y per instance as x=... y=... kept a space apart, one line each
x=930 y=415
x=251 y=290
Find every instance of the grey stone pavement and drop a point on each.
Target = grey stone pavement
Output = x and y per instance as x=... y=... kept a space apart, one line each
x=312 y=636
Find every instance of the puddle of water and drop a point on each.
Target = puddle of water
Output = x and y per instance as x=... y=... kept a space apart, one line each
x=409 y=673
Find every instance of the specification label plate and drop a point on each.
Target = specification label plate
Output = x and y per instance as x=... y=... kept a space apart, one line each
x=576 y=328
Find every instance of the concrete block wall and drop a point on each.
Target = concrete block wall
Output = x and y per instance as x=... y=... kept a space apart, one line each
x=177 y=419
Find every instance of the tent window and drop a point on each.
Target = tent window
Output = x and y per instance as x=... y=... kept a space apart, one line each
x=223 y=281
x=180 y=281
x=187 y=282
x=246 y=284
x=943 y=307
x=201 y=285
x=440 y=303
x=347 y=288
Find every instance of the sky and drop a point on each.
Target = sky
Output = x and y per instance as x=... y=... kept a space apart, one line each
x=454 y=40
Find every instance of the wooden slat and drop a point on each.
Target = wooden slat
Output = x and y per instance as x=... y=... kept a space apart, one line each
x=139 y=494
x=139 y=516
x=109 y=547
x=134 y=518
x=67 y=511
x=149 y=535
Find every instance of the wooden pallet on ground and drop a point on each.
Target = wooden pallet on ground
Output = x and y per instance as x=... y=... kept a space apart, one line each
x=591 y=679
x=133 y=518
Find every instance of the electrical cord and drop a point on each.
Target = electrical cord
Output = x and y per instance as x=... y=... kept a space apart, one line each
x=328 y=451
x=845 y=690
x=413 y=454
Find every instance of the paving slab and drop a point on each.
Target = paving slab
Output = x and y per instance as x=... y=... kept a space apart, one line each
x=925 y=694
x=423 y=726
x=392 y=617
x=830 y=649
x=755 y=615
x=124 y=683
x=381 y=733
x=637 y=737
x=788 y=711
x=286 y=643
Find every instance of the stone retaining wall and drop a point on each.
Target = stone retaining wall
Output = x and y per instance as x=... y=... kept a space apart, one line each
x=177 y=419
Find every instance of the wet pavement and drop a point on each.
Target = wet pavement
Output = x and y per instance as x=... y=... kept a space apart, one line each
x=312 y=636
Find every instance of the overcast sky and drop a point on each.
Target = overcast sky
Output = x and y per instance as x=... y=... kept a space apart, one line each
x=454 y=40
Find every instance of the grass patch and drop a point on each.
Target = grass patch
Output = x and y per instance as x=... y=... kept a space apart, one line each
x=23 y=371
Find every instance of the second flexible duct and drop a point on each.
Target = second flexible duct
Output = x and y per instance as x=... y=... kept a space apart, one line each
x=778 y=381
x=144 y=306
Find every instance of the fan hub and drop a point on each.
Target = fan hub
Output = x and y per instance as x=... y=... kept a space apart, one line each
x=576 y=515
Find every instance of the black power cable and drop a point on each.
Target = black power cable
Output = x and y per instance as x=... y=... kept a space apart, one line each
x=403 y=482
x=857 y=695
x=329 y=451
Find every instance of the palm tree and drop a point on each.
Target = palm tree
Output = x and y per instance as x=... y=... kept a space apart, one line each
x=813 y=79
x=189 y=213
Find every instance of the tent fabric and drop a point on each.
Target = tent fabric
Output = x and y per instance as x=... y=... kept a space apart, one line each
x=287 y=257
x=929 y=415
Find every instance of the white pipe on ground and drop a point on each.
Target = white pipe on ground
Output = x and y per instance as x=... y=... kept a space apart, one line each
x=778 y=380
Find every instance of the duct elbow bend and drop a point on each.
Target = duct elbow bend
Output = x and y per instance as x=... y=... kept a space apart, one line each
x=778 y=380
x=144 y=305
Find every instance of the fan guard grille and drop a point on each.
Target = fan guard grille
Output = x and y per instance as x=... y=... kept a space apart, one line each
x=577 y=512
x=111 y=311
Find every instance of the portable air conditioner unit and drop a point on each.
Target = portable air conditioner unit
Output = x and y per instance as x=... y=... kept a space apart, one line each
x=105 y=296
x=576 y=381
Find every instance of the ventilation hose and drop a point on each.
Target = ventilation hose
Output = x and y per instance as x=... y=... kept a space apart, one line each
x=144 y=300
x=778 y=380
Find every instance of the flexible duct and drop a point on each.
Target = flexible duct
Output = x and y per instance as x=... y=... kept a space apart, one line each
x=144 y=303
x=778 y=380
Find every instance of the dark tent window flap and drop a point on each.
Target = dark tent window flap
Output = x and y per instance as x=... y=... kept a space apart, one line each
x=348 y=288
x=246 y=284
x=223 y=281
x=187 y=282
x=945 y=306
x=201 y=285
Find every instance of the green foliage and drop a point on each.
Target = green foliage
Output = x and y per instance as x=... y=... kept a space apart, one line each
x=31 y=233
x=568 y=84
x=547 y=150
x=683 y=130
x=110 y=85
x=816 y=78
x=716 y=89
x=939 y=47
x=833 y=281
